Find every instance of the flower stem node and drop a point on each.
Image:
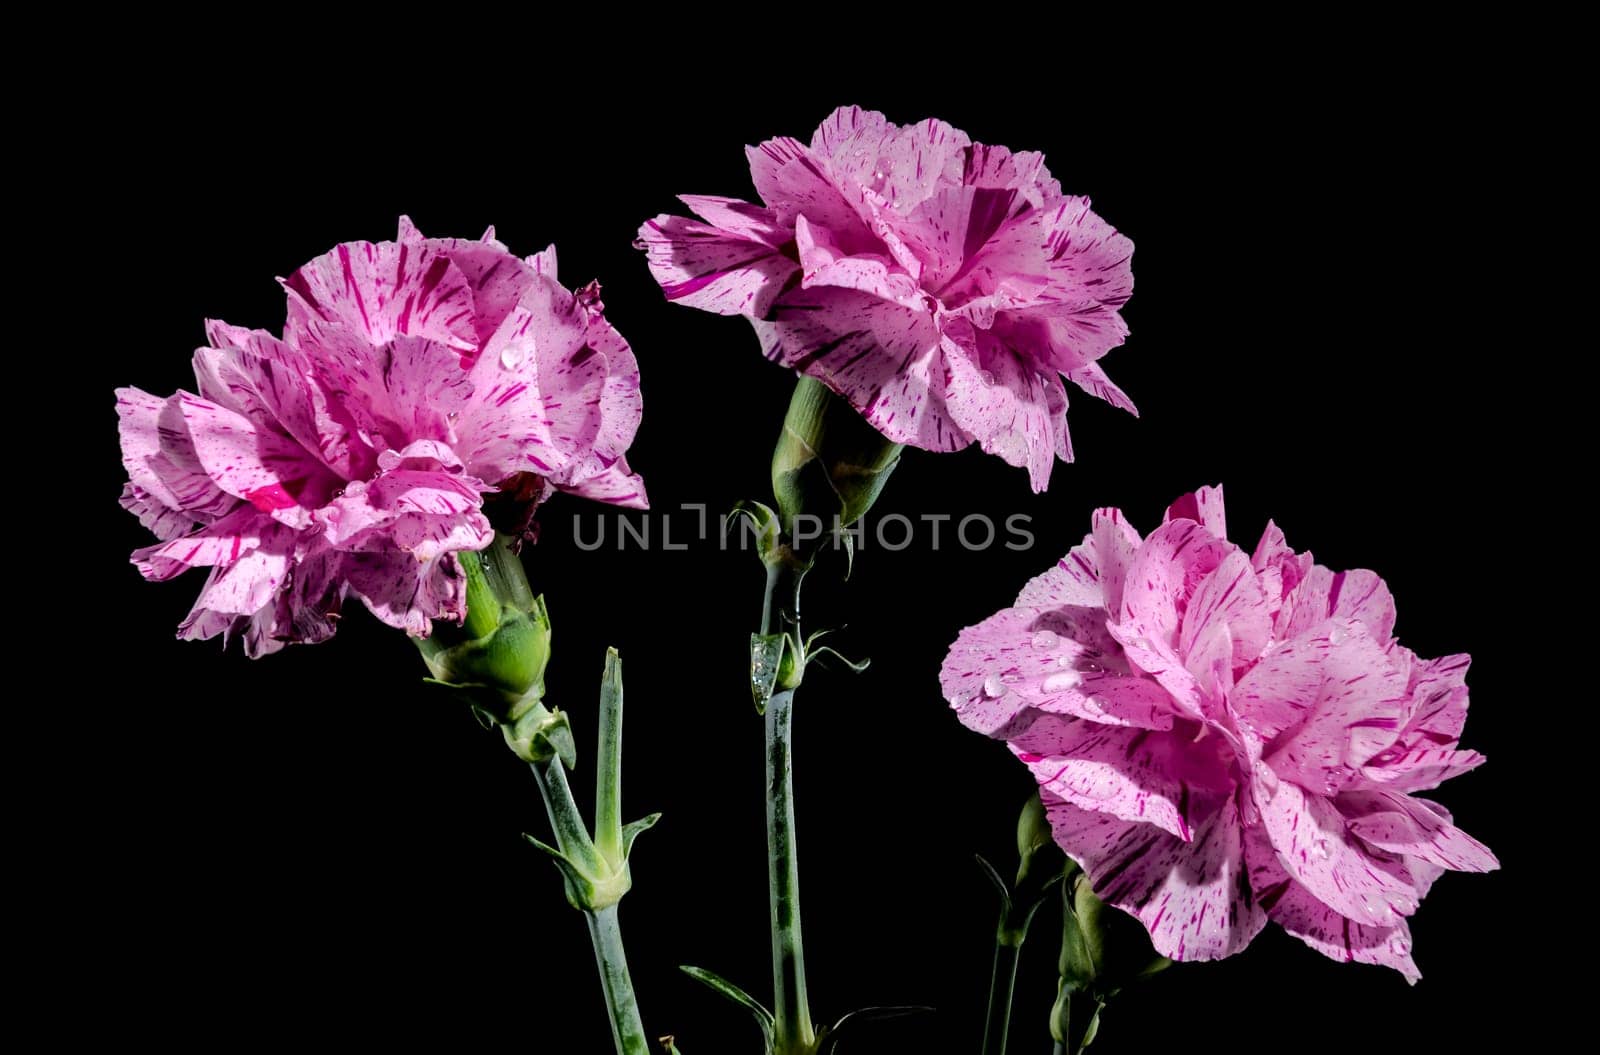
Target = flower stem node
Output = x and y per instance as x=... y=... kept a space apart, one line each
x=594 y=867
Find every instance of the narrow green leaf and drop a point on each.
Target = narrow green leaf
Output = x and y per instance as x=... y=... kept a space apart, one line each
x=830 y=1037
x=608 y=765
x=856 y=666
x=732 y=992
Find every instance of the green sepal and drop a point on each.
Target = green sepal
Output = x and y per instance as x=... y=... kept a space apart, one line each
x=738 y=996
x=584 y=892
x=539 y=734
x=828 y=1041
x=769 y=531
x=633 y=829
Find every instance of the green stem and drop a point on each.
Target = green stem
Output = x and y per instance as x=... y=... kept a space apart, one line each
x=627 y=1031
x=1002 y=982
x=793 y=1031
x=1080 y=1030
x=626 y=1028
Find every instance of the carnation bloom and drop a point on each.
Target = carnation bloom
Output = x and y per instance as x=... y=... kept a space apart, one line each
x=1222 y=738
x=942 y=286
x=353 y=454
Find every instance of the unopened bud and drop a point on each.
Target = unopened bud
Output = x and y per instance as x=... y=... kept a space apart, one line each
x=829 y=464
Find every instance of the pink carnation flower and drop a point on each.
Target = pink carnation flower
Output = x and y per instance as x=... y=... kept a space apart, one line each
x=353 y=454
x=942 y=286
x=1222 y=738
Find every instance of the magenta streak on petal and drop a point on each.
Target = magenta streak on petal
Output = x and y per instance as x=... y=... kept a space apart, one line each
x=270 y=497
x=1284 y=794
x=944 y=288
x=365 y=438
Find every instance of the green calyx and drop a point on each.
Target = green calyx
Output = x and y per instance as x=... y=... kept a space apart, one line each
x=496 y=659
x=1103 y=951
x=829 y=463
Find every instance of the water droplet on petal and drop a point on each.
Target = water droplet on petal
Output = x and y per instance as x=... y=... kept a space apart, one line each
x=993 y=687
x=1067 y=679
x=986 y=377
x=1045 y=640
x=1064 y=661
x=511 y=355
x=1319 y=849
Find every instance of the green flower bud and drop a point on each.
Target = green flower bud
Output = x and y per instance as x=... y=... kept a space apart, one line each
x=829 y=463
x=1037 y=852
x=497 y=657
x=500 y=652
x=1103 y=950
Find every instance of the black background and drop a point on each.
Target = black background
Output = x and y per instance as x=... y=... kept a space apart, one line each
x=313 y=847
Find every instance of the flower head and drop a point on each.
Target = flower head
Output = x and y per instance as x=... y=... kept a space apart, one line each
x=354 y=453
x=1223 y=738
x=942 y=286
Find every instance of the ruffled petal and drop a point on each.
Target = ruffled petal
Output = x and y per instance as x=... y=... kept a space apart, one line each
x=793 y=182
x=1310 y=838
x=265 y=468
x=1138 y=775
x=159 y=456
x=1297 y=911
x=702 y=265
x=1358 y=595
x=1163 y=576
x=222 y=542
x=1054 y=661
x=406 y=593
x=385 y=290
x=1412 y=827
x=879 y=356
x=1092 y=574
x=495 y=278
x=824 y=263
x=367 y=507
x=1326 y=704
x=615 y=485
x=1003 y=402
x=1194 y=897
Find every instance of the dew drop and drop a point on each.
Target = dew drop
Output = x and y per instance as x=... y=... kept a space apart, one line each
x=1045 y=640
x=1067 y=679
x=993 y=687
x=511 y=355
x=986 y=377
x=1319 y=849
